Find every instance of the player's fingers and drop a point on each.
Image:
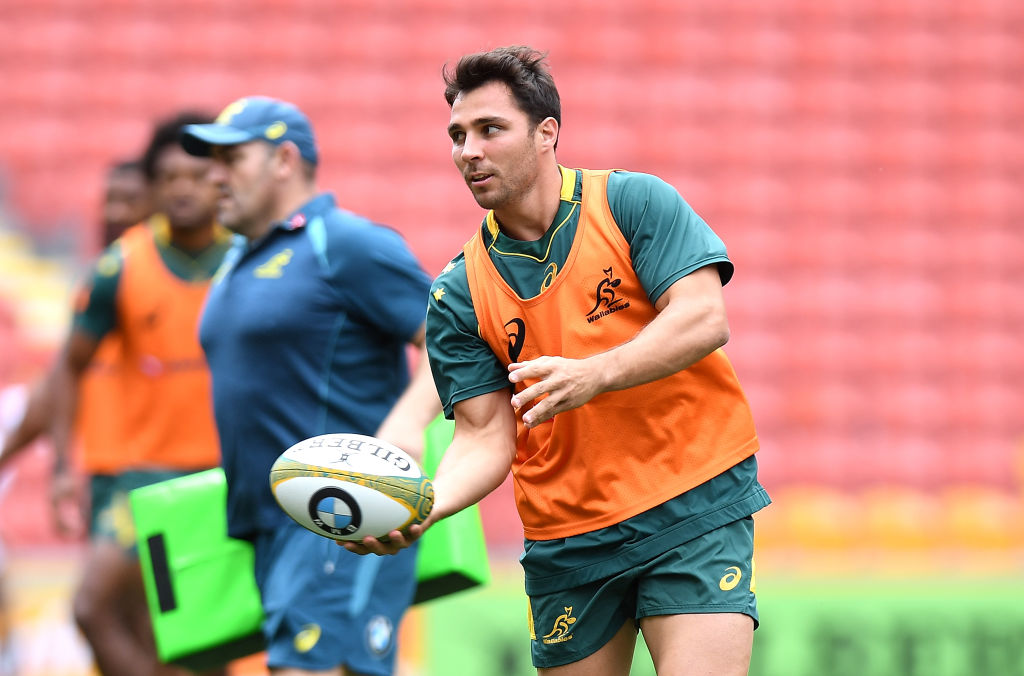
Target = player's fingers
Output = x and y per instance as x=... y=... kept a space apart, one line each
x=354 y=547
x=540 y=413
x=535 y=368
x=520 y=399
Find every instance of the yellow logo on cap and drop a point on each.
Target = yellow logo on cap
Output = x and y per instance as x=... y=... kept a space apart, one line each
x=276 y=130
x=232 y=109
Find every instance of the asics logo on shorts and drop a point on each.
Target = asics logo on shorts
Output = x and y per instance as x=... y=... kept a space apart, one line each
x=307 y=638
x=732 y=577
x=560 y=632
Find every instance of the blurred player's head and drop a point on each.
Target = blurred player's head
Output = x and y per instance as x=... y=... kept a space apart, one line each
x=504 y=123
x=180 y=187
x=265 y=159
x=126 y=199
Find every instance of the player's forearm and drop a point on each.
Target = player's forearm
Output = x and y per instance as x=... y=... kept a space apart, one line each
x=675 y=340
x=34 y=421
x=65 y=405
x=480 y=455
x=465 y=477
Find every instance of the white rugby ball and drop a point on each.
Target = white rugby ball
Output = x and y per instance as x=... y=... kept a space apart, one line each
x=348 y=486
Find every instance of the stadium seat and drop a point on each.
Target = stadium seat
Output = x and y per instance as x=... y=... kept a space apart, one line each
x=861 y=164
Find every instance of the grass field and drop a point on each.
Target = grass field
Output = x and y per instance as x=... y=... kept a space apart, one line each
x=897 y=625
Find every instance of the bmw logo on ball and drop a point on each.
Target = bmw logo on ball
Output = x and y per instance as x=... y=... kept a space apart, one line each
x=334 y=511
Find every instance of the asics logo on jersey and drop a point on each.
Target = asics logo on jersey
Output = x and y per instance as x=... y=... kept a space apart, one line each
x=274 y=268
x=549 y=276
x=732 y=577
x=560 y=632
x=516 y=337
x=607 y=300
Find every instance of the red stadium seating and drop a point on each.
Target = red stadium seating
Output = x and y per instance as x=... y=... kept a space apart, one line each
x=861 y=160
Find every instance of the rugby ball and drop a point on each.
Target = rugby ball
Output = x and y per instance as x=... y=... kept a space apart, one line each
x=348 y=486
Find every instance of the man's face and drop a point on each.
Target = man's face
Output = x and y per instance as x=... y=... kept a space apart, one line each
x=125 y=202
x=244 y=178
x=181 y=189
x=493 y=145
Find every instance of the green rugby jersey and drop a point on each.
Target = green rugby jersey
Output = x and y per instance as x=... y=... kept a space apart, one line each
x=99 y=315
x=667 y=239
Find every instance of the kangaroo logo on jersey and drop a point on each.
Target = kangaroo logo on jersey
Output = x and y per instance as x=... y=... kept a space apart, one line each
x=607 y=300
x=560 y=632
x=516 y=337
x=274 y=268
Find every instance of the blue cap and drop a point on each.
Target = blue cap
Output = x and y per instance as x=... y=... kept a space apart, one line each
x=250 y=119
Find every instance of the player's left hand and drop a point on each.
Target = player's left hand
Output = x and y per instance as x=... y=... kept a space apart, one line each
x=396 y=541
x=568 y=383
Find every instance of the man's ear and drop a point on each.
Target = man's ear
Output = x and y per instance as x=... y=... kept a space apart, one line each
x=289 y=158
x=547 y=133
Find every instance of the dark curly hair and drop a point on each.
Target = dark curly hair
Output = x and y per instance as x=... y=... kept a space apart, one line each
x=166 y=133
x=522 y=68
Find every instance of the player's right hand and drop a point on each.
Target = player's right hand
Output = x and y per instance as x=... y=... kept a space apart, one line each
x=396 y=541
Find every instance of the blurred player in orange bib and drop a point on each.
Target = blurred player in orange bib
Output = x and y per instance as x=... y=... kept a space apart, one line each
x=133 y=351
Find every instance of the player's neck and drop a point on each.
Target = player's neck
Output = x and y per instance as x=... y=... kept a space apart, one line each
x=530 y=217
x=193 y=239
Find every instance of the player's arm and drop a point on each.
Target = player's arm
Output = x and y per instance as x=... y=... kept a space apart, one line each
x=49 y=399
x=64 y=493
x=477 y=461
x=95 y=315
x=35 y=421
x=415 y=409
x=691 y=324
x=67 y=375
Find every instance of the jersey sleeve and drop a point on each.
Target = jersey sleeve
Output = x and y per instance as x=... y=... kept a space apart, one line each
x=380 y=279
x=461 y=362
x=667 y=239
x=95 y=311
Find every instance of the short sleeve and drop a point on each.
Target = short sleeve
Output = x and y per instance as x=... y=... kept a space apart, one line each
x=380 y=279
x=461 y=362
x=667 y=239
x=95 y=305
